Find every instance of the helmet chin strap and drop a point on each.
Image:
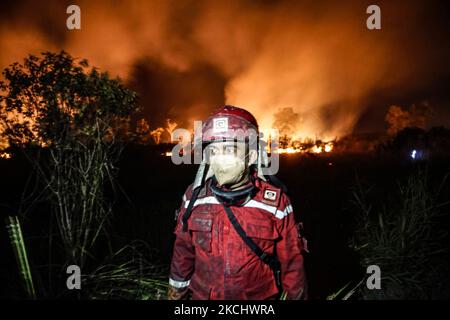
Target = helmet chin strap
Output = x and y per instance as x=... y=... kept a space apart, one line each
x=233 y=197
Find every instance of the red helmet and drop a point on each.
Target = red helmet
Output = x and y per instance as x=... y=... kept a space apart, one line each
x=229 y=123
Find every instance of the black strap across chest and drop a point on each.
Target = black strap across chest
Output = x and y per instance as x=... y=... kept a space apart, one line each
x=188 y=211
x=269 y=259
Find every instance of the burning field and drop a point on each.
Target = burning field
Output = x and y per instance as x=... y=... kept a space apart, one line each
x=314 y=70
x=91 y=118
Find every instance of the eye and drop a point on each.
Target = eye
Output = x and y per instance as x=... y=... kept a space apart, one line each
x=229 y=150
x=212 y=152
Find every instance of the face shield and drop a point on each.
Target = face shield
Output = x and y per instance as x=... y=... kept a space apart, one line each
x=229 y=162
x=228 y=124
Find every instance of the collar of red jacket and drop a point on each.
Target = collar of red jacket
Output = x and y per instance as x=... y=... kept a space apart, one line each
x=238 y=197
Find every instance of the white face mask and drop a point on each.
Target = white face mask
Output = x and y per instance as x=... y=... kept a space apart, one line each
x=228 y=168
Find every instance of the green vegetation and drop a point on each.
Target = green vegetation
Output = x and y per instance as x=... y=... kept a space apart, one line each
x=72 y=122
x=403 y=235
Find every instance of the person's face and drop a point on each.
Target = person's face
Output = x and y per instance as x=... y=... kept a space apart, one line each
x=230 y=161
x=237 y=149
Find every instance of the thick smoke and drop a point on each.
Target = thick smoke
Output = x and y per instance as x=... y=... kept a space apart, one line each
x=417 y=116
x=287 y=122
x=187 y=57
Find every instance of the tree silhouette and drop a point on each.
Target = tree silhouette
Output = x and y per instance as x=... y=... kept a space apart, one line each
x=80 y=118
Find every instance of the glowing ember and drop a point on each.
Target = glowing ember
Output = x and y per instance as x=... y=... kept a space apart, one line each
x=5 y=155
x=317 y=148
x=288 y=150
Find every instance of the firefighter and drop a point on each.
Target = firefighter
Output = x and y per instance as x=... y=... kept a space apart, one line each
x=236 y=236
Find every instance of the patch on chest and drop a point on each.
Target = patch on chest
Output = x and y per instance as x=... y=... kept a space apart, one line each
x=270 y=195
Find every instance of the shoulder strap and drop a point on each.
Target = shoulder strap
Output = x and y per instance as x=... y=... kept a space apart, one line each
x=269 y=259
x=188 y=211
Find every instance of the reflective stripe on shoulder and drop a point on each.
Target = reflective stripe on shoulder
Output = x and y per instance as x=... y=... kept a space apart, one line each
x=205 y=200
x=179 y=284
x=280 y=214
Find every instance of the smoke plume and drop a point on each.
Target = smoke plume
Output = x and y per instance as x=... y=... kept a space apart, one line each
x=416 y=116
x=187 y=57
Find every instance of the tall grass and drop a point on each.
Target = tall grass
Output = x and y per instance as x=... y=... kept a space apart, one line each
x=20 y=252
x=346 y=292
x=81 y=120
x=128 y=274
x=403 y=237
x=77 y=174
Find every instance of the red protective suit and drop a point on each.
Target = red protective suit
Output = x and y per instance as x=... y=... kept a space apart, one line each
x=215 y=263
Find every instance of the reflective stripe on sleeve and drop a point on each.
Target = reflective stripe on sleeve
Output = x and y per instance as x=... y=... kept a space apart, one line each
x=179 y=284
